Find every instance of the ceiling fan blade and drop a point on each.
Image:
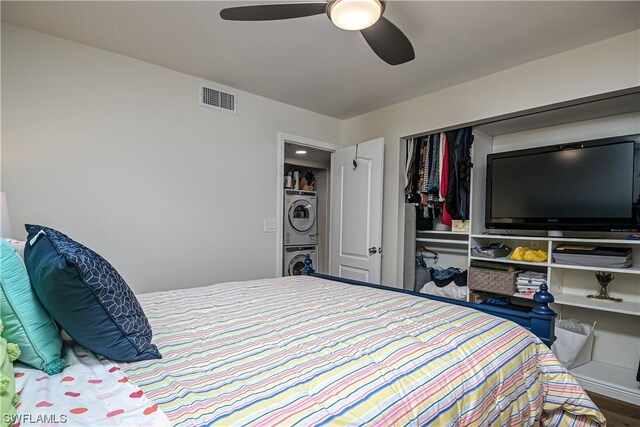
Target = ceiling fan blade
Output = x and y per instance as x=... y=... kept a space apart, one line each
x=273 y=12
x=388 y=42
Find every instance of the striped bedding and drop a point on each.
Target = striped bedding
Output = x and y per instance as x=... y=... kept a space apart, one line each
x=306 y=351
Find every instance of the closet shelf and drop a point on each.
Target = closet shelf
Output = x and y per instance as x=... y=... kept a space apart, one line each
x=629 y=270
x=511 y=237
x=443 y=232
x=443 y=241
x=509 y=261
x=596 y=240
x=624 y=307
x=523 y=296
x=591 y=240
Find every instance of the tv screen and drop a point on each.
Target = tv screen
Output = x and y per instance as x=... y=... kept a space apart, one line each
x=589 y=185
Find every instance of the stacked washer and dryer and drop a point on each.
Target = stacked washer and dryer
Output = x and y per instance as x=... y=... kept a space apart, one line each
x=300 y=230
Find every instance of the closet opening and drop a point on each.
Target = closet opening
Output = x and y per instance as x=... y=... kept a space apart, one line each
x=304 y=183
x=437 y=211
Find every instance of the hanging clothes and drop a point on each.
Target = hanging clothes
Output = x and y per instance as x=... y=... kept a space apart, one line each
x=433 y=185
x=444 y=182
x=465 y=173
x=413 y=196
x=443 y=142
x=438 y=176
x=408 y=172
x=426 y=164
x=457 y=199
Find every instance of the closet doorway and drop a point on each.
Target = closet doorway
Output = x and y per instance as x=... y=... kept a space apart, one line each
x=346 y=201
x=303 y=214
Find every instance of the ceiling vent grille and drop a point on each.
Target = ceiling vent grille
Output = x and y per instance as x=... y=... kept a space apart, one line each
x=217 y=99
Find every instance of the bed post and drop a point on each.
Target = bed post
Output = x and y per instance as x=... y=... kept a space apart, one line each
x=543 y=317
x=308 y=266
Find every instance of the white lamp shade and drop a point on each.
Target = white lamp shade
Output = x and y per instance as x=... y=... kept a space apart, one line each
x=5 y=219
x=354 y=15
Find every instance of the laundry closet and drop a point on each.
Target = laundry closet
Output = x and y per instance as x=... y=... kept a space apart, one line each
x=307 y=172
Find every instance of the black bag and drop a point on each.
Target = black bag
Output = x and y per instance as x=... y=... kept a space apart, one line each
x=424 y=221
x=423 y=273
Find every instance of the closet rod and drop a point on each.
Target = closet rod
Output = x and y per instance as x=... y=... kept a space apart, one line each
x=453 y=250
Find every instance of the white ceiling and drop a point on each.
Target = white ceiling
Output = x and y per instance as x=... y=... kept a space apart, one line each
x=312 y=64
x=312 y=158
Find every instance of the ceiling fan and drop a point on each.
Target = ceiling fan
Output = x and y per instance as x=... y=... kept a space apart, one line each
x=386 y=40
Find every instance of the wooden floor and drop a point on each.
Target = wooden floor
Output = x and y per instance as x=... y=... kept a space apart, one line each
x=616 y=412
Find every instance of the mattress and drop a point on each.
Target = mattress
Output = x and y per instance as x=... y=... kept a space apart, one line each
x=307 y=351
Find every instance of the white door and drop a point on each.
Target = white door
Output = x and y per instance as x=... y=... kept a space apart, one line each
x=356 y=211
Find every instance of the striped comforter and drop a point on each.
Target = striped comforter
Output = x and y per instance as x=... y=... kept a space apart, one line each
x=307 y=351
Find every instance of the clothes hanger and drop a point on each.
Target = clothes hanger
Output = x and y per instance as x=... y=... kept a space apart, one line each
x=422 y=248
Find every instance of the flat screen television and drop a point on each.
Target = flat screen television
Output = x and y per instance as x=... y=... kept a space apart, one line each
x=588 y=186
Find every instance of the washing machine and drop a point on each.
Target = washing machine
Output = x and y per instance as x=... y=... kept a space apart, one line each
x=300 y=227
x=294 y=259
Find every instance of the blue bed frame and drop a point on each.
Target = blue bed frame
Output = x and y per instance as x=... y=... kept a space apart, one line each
x=540 y=320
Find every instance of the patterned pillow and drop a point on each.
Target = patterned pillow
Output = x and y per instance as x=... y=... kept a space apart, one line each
x=87 y=297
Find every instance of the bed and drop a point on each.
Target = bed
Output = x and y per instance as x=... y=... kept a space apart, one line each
x=302 y=350
x=307 y=350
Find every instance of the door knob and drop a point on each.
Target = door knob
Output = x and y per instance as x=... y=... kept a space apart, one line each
x=373 y=250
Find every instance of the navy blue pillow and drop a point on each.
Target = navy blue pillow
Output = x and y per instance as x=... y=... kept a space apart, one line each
x=87 y=297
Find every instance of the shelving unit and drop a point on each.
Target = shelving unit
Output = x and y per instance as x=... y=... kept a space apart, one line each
x=556 y=272
x=570 y=285
x=616 y=350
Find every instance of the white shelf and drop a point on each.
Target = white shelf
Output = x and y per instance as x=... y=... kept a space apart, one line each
x=609 y=380
x=443 y=232
x=629 y=270
x=590 y=240
x=596 y=240
x=510 y=261
x=522 y=296
x=624 y=307
x=443 y=241
x=511 y=237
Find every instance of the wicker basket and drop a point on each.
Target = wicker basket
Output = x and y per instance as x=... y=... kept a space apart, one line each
x=497 y=282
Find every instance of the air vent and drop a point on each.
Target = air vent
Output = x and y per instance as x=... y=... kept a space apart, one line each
x=217 y=99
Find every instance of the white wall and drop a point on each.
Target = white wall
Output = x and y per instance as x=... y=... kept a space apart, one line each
x=605 y=66
x=117 y=153
x=112 y=150
x=604 y=127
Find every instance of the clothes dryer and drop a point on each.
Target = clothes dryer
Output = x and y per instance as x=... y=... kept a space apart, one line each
x=300 y=227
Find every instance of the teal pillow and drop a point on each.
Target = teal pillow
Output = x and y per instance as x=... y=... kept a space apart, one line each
x=26 y=322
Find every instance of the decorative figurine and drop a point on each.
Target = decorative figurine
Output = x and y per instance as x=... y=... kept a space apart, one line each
x=603 y=280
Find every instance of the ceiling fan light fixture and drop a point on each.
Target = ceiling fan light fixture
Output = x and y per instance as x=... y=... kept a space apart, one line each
x=355 y=15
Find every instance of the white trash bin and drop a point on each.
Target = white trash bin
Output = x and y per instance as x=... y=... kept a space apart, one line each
x=572 y=347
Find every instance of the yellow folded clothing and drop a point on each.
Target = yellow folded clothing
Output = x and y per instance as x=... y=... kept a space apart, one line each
x=529 y=255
